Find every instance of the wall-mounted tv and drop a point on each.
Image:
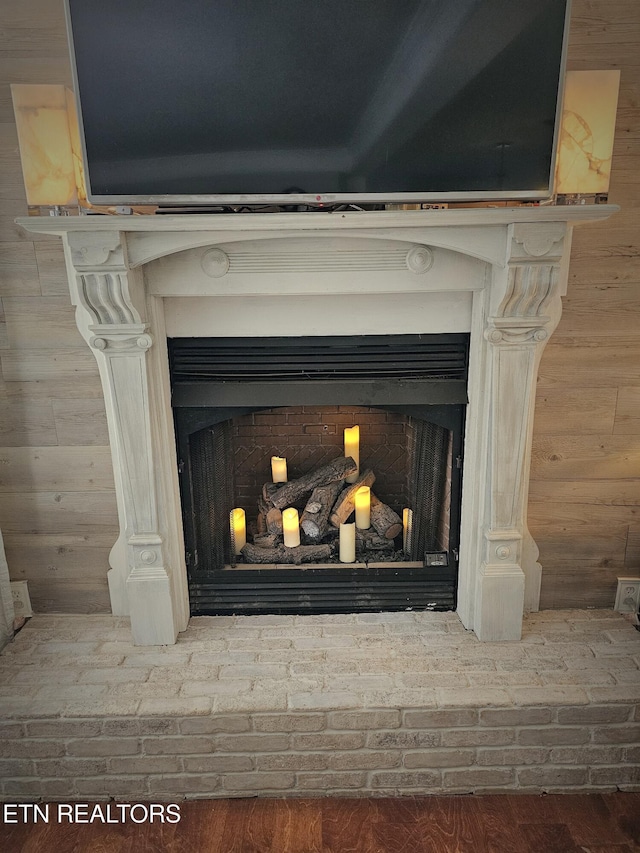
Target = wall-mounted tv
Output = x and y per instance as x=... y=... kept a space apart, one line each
x=222 y=102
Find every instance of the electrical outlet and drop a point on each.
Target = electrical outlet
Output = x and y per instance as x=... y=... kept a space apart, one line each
x=628 y=595
x=21 y=600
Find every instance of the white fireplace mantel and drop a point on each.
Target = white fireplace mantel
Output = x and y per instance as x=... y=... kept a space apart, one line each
x=497 y=273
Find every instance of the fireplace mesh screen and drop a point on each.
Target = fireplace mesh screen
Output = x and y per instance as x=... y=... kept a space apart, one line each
x=212 y=485
x=428 y=480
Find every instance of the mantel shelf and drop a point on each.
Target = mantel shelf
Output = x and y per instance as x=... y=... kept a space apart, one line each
x=321 y=220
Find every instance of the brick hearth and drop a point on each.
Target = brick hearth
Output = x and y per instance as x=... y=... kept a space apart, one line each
x=383 y=704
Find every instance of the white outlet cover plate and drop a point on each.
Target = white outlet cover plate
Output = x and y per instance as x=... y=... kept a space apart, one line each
x=627 y=588
x=21 y=600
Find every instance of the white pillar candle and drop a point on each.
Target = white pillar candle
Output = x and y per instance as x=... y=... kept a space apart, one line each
x=278 y=469
x=290 y=527
x=363 y=508
x=347 y=543
x=407 y=521
x=352 y=449
x=238 y=529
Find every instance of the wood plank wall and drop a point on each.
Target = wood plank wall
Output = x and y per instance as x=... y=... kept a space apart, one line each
x=584 y=508
x=57 y=506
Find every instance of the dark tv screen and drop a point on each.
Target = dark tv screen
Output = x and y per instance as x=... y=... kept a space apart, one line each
x=213 y=101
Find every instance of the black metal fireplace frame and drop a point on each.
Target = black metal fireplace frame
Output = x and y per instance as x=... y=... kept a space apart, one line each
x=215 y=380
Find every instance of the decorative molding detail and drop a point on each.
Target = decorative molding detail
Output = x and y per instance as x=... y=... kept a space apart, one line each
x=515 y=334
x=215 y=263
x=530 y=289
x=419 y=259
x=503 y=545
x=142 y=539
x=537 y=241
x=106 y=297
x=147 y=553
x=96 y=249
x=376 y=257
x=120 y=344
x=147 y=573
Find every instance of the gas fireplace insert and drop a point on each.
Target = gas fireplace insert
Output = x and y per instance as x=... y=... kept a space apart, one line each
x=320 y=475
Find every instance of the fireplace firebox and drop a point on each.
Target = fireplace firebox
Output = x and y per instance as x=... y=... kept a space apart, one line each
x=238 y=402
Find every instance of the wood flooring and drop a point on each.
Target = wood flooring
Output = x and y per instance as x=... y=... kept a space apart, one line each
x=590 y=823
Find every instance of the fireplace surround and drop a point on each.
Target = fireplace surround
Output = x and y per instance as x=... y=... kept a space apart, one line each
x=496 y=274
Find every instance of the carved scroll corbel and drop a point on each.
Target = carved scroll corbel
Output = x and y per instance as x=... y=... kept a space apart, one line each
x=102 y=279
x=531 y=306
x=106 y=297
x=533 y=277
x=530 y=290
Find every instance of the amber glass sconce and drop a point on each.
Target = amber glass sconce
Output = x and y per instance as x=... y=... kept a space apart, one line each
x=50 y=153
x=583 y=164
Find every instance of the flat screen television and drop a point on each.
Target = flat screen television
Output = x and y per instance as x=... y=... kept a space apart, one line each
x=232 y=102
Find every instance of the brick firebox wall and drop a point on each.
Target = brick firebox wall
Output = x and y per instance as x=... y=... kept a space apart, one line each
x=311 y=436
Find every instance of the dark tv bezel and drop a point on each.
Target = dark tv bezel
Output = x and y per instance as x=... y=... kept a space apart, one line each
x=320 y=200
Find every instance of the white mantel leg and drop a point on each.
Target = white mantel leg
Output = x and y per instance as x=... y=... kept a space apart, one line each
x=524 y=313
x=110 y=314
x=501 y=580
